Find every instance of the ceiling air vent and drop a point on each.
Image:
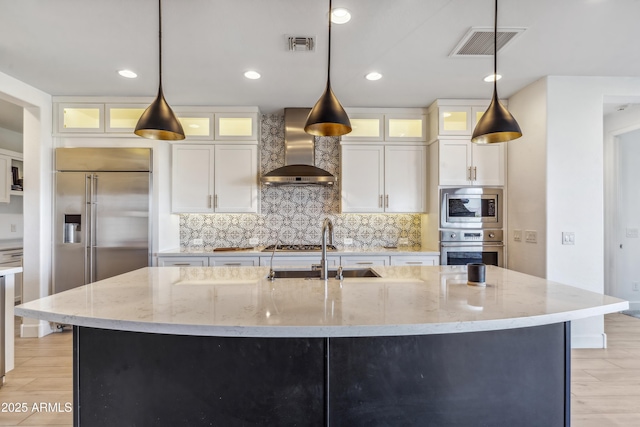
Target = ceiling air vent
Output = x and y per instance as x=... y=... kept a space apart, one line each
x=301 y=44
x=479 y=41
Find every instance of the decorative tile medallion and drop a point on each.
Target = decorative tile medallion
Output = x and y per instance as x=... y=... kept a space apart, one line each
x=294 y=214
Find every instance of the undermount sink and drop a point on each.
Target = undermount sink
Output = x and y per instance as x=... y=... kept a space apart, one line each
x=315 y=274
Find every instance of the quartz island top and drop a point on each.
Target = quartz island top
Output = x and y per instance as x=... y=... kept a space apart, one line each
x=242 y=302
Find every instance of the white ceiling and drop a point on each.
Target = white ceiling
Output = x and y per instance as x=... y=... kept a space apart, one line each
x=75 y=47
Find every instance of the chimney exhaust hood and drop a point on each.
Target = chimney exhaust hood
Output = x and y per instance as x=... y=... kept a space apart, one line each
x=299 y=155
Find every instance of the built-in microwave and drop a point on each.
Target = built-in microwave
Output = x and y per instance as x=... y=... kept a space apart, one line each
x=471 y=207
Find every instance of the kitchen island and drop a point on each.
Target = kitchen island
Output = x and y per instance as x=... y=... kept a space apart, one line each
x=225 y=346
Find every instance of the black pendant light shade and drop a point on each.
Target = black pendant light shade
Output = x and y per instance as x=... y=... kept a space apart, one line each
x=158 y=121
x=327 y=117
x=496 y=124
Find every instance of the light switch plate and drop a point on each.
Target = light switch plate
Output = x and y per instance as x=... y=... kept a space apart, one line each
x=517 y=235
x=196 y=242
x=531 y=236
x=568 y=238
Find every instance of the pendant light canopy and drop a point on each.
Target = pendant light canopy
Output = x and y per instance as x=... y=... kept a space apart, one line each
x=496 y=124
x=158 y=121
x=327 y=117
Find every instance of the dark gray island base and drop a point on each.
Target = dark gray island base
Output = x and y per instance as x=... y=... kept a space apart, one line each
x=511 y=377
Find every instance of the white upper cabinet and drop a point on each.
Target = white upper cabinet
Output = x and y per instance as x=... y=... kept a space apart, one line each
x=377 y=178
x=455 y=117
x=387 y=125
x=80 y=118
x=462 y=162
x=212 y=178
x=90 y=115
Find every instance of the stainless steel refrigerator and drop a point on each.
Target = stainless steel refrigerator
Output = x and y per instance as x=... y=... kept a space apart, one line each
x=102 y=222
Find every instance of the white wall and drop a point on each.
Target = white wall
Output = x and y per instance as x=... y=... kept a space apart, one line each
x=575 y=182
x=37 y=149
x=10 y=140
x=527 y=180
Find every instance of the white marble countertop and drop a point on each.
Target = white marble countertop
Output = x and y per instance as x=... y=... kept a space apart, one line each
x=240 y=301
x=10 y=270
x=258 y=251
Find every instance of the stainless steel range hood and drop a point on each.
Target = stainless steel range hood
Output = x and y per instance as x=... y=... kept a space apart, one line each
x=299 y=155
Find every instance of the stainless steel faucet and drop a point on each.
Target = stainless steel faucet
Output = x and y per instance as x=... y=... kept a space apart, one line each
x=327 y=226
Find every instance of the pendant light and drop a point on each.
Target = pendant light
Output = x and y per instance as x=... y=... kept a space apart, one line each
x=158 y=121
x=496 y=124
x=327 y=117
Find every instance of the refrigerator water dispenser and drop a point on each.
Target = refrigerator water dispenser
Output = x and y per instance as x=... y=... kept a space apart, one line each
x=71 y=233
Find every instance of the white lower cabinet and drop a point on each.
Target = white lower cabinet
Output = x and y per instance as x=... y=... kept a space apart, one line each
x=183 y=261
x=378 y=178
x=363 y=260
x=415 y=260
x=298 y=261
x=234 y=261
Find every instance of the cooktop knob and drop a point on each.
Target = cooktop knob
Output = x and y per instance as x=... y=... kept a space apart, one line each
x=492 y=235
x=452 y=235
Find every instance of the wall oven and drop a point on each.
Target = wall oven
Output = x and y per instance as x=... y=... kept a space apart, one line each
x=471 y=207
x=461 y=247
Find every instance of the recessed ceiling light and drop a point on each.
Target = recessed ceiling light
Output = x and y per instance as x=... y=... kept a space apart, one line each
x=253 y=75
x=374 y=75
x=128 y=74
x=340 y=15
x=490 y=77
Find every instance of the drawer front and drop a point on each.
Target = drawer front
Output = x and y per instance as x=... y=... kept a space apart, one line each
x=363 y=261
x=234 y=261
x=183 y=261
x=415 y=260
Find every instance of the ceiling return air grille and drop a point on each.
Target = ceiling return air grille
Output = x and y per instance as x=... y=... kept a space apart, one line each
x=479 y=41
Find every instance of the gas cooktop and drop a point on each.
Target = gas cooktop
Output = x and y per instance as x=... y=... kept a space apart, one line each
x=298 y=248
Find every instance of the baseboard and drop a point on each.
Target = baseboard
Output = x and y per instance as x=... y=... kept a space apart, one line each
x=633 y=305
x=35 y=330
x=589 y=341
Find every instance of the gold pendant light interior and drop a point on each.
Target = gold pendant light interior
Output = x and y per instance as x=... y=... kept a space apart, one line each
x=158 y=121
x=496 y=124
x=327 y=117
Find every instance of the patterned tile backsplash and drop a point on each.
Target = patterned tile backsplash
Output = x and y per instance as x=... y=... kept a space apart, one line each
x=294 y=214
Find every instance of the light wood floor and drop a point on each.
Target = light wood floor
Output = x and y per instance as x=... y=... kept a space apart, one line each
x=605 y=386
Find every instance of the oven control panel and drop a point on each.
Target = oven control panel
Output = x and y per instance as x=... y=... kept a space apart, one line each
x=461 y=235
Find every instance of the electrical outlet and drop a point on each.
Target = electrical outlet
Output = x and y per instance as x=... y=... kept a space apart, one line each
x=517 y=235
x=254 y=241
x=568 y=238
x=13 y=228
x=531 y=236
x=635 y=286
x=632 y=233
x=348 y=241
x=196 y=241
x=403 y=241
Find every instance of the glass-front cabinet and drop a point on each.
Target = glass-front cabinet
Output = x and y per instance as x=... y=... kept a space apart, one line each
x=387 y=124
x=83 y=118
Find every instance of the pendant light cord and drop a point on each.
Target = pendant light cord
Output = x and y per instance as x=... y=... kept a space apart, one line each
x=160 y=41
x=495 y=48
x=329 y=50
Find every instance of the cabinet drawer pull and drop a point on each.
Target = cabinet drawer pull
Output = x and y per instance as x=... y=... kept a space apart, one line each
x=210 y=202
x=215 y=203
x=386 y=201
x=181 y=264
x=364 y=263
x=475 y=173
x=414 y=262
x=380 y=202
x=232 y=263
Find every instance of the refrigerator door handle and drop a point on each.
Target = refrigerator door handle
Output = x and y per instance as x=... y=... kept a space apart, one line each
x=91 y=228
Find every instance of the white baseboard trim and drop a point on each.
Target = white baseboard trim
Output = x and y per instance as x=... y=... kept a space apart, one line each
x=35 y=330
x=589 y=341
